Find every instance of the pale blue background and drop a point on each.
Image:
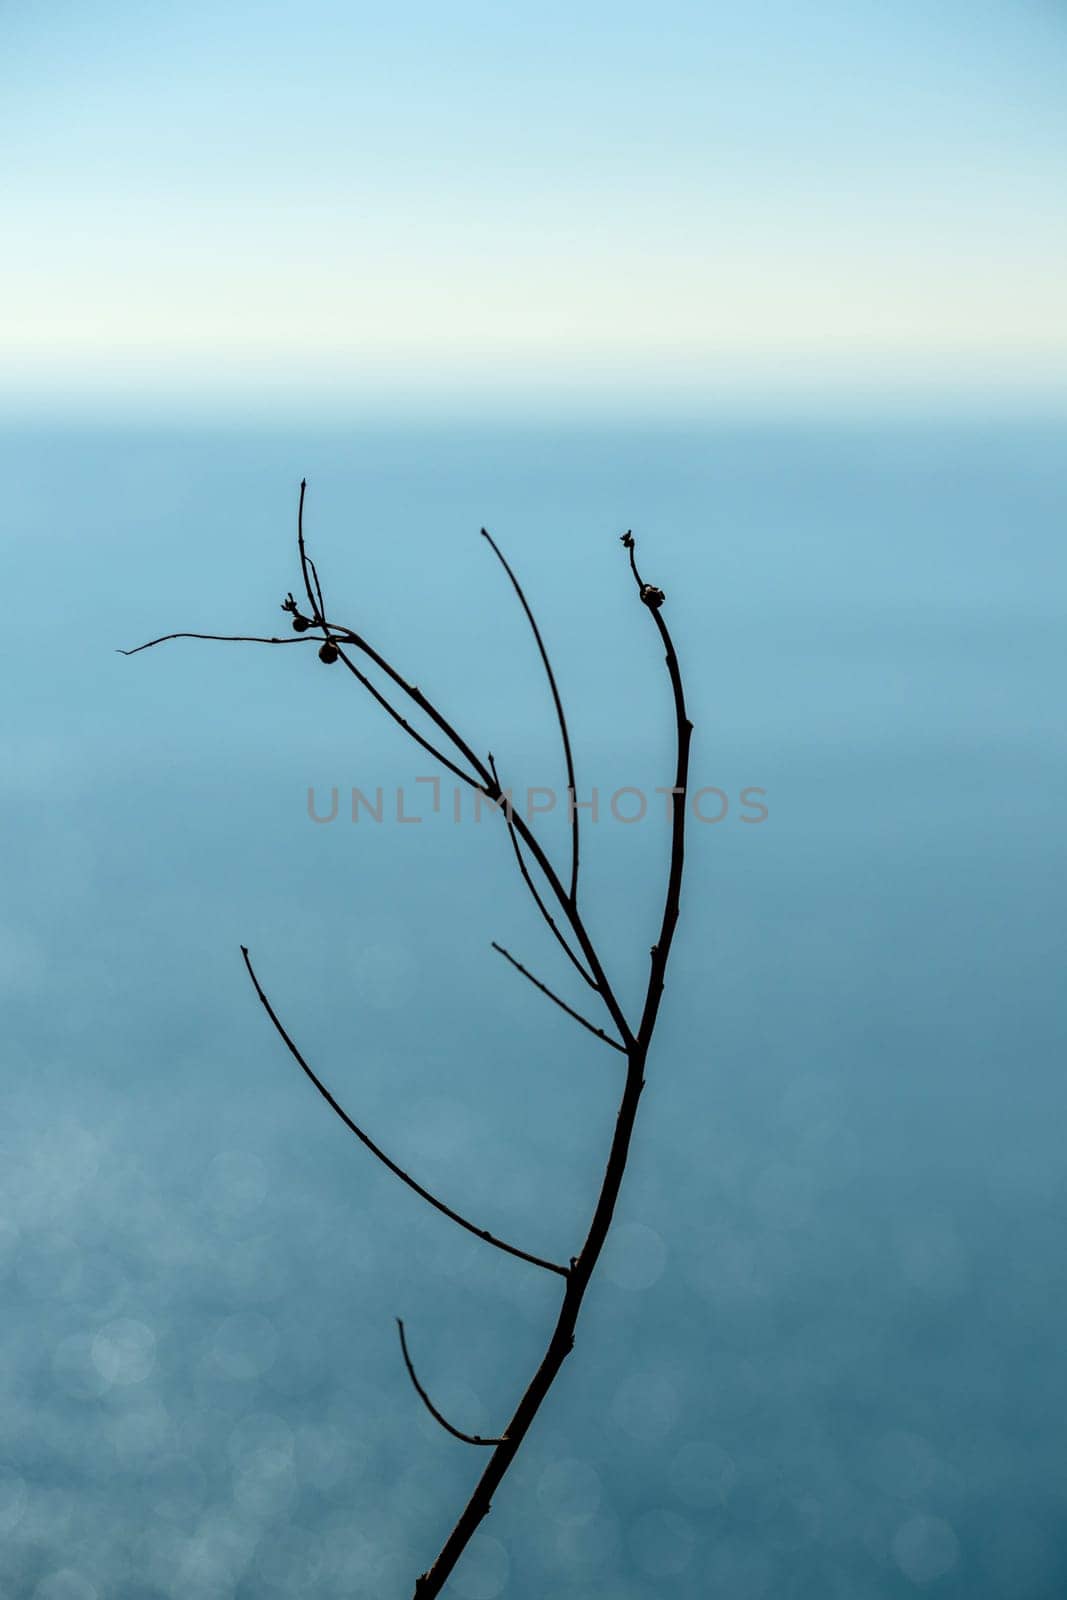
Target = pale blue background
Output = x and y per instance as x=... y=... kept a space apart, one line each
x=783 y=288
x=426 y=209
x=826 y=1357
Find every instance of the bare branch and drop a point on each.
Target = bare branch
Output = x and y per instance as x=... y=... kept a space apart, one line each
x=653 y=599
x=467 y=1438
x=413 y=692
x=565 y=736
x=316 y=610
x=561 y=1003
x=530 y=855
x=223 y=638
x=516 y=825
x=497 y=793
x=574 y=919
x=316 y=638
x=402 y=722
x=439 y=1205
x=431 y=1583
x=333 y=634
x=318 y=590
x=490 y=787
x=486 y=783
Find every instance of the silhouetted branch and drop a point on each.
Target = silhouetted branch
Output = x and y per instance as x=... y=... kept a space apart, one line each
x=318 y=591
x=486 y=783
x=497 y=794
x=413 y=692
x=516 y=825
x=653 y=598
x=439 y=1205
x=221 y=638
x=316 y=608
x=402 y=722
x=565 y=736
x=467 y=1438
x=555 y=997
x=528 y=849
x=561 y=1343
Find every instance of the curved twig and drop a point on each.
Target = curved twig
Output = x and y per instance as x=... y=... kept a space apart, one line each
x=402 y=722
x=485 y=783
x=561 y=1343
x=467 y=1438
x=222 y=638
x=516 y=825
x=317 y=638
x=318 y=590
x=564 y=735
x=414 y=693
x=555 y=997
x=653 y=598
x=302 y=552
x=439 y=1205
x=496 y=794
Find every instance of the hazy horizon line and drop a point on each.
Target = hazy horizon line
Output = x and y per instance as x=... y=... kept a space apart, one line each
x=637 y=400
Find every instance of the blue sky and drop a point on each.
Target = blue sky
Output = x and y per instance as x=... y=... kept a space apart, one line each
x=267 y=203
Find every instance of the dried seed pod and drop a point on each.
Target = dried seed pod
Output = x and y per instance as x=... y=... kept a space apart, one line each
x=328 y=652
x=300 y=624
x=652 y=596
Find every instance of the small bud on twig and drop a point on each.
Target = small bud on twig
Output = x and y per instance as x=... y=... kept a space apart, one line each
x=652 y=596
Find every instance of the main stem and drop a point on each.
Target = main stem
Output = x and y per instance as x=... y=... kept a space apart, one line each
x=560 y=1345
x=581 y=1270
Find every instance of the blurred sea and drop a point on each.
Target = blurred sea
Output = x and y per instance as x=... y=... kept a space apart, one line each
x=824 y=1357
